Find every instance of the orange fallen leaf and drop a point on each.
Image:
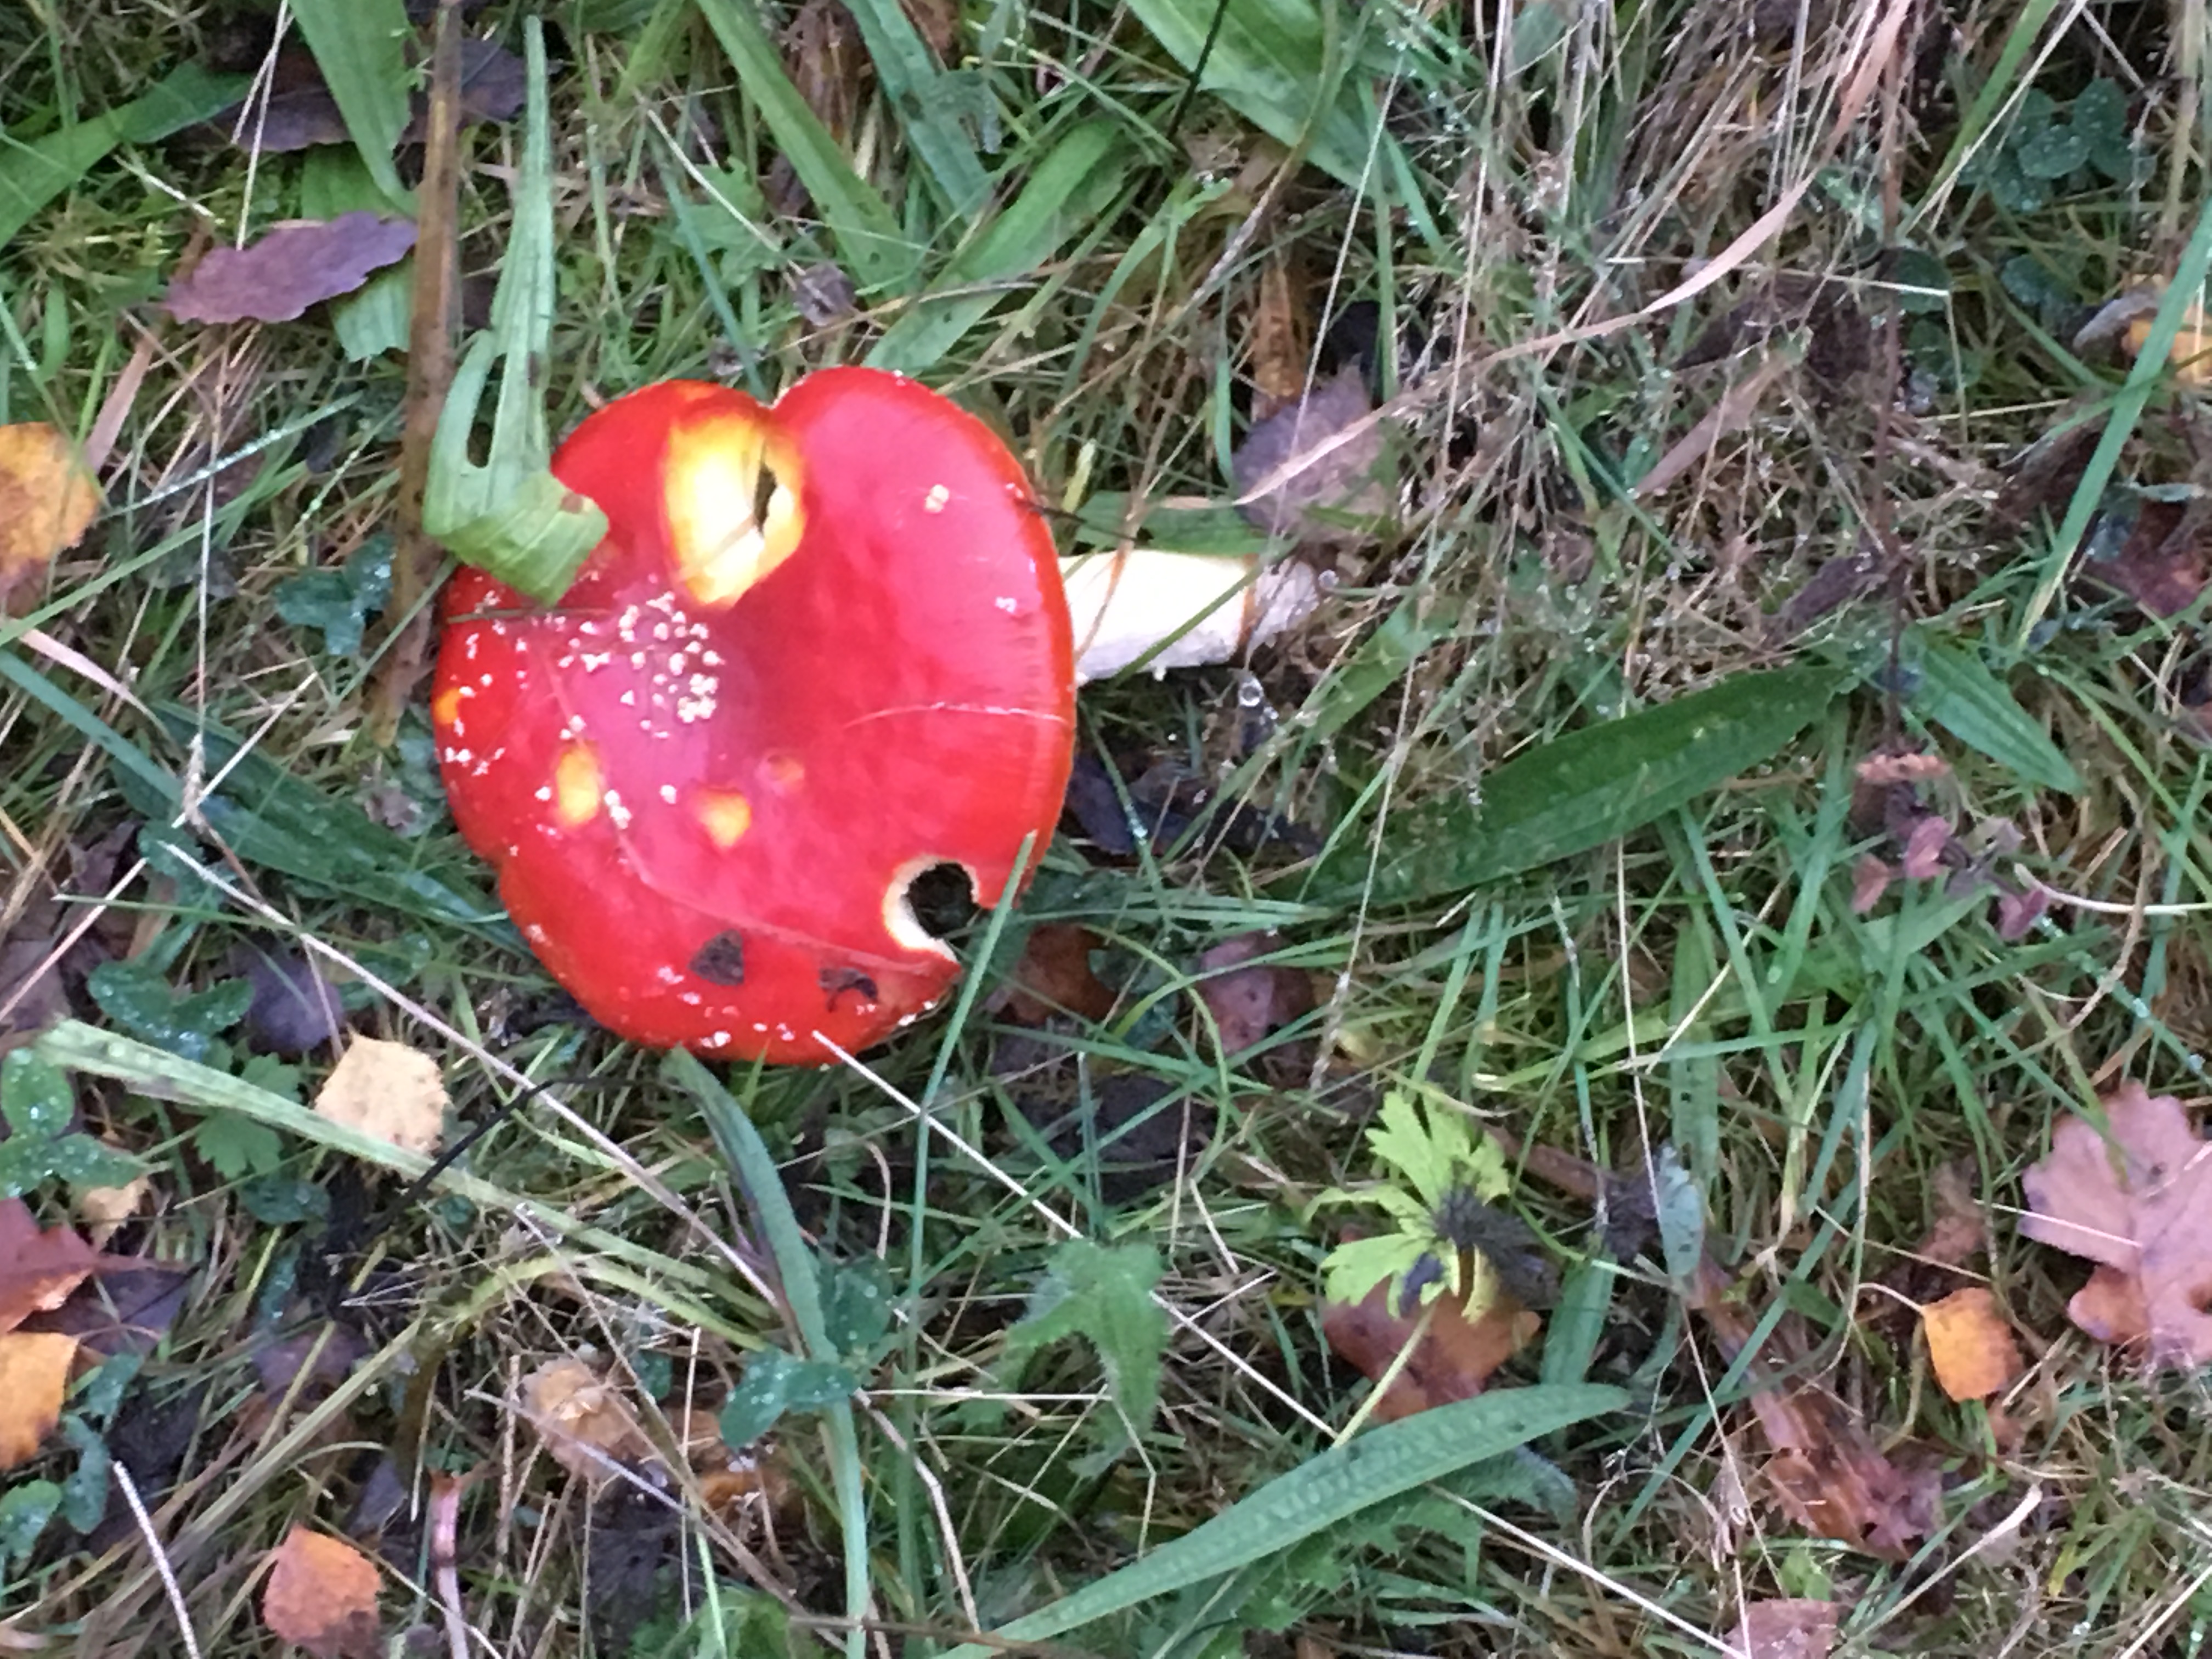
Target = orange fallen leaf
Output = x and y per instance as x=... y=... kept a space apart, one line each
x=34 y=1372
x=1787 y=1628
x=1455 y=1356
x=37 y=1270
x=321 y=1595
x=1970 y=1344
x=2141 y=1208
x=47 y=500
x=387 y=1090
x=583 y=1419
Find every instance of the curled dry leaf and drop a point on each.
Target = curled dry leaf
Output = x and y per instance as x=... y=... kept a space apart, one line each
x=321 y=1595
x=34 y=1372
x=1787 y=1627
x=1824 y=1470
x=583 y=1420
x=389 y=1090
x=103 y=1209
x=293 y=267
x=1970 y=1344
x=1455 y=1356
x=2140 y=1206
x=37 y=1270
x=47 y=500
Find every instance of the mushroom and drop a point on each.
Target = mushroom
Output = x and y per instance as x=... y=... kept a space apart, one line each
x=822 y=650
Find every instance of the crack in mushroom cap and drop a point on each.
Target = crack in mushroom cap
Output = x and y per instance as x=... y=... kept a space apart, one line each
x=889 y=689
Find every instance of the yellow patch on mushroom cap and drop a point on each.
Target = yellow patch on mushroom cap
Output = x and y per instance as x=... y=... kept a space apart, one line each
x=731 y=488
x=576 y=793
x=725 y=815
x=445 y=707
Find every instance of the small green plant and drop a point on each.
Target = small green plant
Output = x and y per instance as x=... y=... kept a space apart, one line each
x=35 y=1099
x=1439 y=1175
x=340 y=602
x=2051 y=150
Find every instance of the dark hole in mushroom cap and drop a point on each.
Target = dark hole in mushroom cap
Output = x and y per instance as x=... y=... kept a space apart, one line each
x=943 y=898
x=835 y=981
x=721 y=959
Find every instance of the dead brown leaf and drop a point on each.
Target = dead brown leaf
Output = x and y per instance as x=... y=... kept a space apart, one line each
x=37 y=1270
x=1960 y=1231
x=2140 y=1206
x=104 y=1209
x=1250 y=1000
x=2161 y=565
x=321 y=1595
x=294 y=266
x=301 y=112
x=1054 y=976
x=47 y=500
x=583 y=1419
x=1970 y=1344
x=1824 y=1470
x=387 y=1090
x=127 y=1307
x=1311 y=501
x=1789 y=1628
x=34 y=1372
x=1455 y=1356
x=1282 y=350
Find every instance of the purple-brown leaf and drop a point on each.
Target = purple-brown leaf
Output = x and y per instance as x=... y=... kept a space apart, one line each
x=291 y=268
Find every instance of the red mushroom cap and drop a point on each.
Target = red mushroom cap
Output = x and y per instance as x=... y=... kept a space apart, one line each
x=822 y=649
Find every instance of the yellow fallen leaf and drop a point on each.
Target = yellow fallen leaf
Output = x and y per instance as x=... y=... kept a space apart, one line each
x=47 y=500
x=583 y=1419
x=35 y=1370
x=2191 y=357
x=321 y=1595
x=103 y=1209
x=389 y=1090
x=1970 y=1344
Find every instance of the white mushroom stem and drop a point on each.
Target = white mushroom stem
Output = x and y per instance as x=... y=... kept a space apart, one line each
x=1210 y=607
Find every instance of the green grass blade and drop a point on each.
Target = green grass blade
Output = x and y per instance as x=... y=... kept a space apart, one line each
x=32 y=174
x=1593 y=786
x=927 y=103
x=1268 y=64
x=361 y=47
x=1959 y=693
x=875 y=250
x=749 y=1154
x=1068 y=191
x=1322 y=1490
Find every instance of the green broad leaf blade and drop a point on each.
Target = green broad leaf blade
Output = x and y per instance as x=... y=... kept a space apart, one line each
x=856 y=1306
x=775 y=1384
x=1326 y=1489
x=1681 y=1217
x=32 y=174
x=511 y=516
x=1103 y=1294
x=1353 y=1268
x=268 y=816
x=875 y=250
x=919 y=90
x=1591 y=786
x=1960 y=694
x=1066 y=195
x=361 y=48
x=236 y=1147
x=340 y=602
x=35 y=1097
x=1270 y=62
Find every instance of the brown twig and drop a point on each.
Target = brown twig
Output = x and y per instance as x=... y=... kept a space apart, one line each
x=415 y=558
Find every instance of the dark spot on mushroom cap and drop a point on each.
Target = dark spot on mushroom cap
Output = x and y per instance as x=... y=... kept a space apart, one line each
x=835 y=981
x=721 y=959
